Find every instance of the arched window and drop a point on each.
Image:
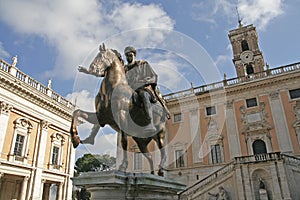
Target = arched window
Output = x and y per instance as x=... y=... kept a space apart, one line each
x=249 y=69
x=245 y=45
x=259 y=147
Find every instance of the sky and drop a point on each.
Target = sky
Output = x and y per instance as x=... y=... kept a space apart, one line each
x=184 y=41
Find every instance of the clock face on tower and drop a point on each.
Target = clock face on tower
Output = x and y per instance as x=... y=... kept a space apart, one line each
x=246 y=56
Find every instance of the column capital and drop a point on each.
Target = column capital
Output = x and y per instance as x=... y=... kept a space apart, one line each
x=5 y=108
x=296 y=110
x=229 y=104
x=44 y=124
x=26 y=178
x=274 y=95
x=59 y=184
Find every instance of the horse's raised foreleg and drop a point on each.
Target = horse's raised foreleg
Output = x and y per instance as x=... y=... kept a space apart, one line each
x=160 y=144
x=88 y=116
x=124 y=142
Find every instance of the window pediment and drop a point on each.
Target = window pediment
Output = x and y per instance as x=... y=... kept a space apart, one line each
x=255 y=120
x=23 y=123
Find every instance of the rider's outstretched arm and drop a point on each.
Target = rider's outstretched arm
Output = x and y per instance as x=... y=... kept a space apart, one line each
x=87 y=71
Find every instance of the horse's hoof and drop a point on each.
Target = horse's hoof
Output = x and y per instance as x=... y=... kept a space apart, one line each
x=152 y=172
x=160 y=173
x=76 y=141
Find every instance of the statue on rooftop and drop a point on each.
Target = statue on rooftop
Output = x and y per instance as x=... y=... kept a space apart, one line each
x=14 y=61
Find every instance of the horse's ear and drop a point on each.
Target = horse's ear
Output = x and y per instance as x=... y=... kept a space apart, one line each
x=102 y=47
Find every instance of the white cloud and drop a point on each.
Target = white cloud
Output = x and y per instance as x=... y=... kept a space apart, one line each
x=259 y=12
x=209 y=10
x=75 y=28
x=104 y=144
x=3 y=52
x=83 y=99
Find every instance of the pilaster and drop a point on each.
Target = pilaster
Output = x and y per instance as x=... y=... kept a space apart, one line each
x=284 y=139
x=195 y=136
x=232 y=131
x=37 y=190
x=5 y=110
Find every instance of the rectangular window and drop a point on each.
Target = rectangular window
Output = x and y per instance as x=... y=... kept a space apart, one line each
x=55 y=154
x=19 y=145
x=211 y=110
x=137 y=160
x=216 y=154
x=179 y=158
x=294 y=94
x=251 y=102
x=177 y=117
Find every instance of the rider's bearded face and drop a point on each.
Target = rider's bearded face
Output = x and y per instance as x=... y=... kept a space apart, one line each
x=130 y=57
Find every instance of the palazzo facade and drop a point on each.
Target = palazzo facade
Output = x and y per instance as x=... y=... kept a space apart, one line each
x=37 y=158
x=238 y=138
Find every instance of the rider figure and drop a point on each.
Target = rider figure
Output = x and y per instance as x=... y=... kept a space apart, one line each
x=142 y=78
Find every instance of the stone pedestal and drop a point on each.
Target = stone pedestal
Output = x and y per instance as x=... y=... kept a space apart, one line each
x=117 y=185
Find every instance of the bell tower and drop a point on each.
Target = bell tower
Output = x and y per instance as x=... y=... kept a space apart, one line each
x=247 y=57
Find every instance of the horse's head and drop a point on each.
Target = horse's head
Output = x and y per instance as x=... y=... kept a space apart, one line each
x=104 y=60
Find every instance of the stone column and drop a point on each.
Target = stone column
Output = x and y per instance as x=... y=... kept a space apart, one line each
x=42 y=189
x=232 y=131
x=24 y=188
x=71 y=163
x=246 y=180
x=284 y=139
x=1 y=180
x=240 y=188
x=281 y=180
x=36 y=189
x=5 y=109
x=46 y=191
x=59 y=191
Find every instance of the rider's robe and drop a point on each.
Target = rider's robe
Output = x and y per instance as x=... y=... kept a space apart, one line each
x=140 y=74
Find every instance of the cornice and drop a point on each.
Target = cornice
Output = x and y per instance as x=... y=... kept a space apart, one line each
x=261 y=83
x=232 y=90
x=24 y=91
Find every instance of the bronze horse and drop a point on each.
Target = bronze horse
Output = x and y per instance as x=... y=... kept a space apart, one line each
x=116 y=107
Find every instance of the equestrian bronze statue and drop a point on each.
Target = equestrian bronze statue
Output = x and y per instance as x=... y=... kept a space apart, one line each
x=121 y=107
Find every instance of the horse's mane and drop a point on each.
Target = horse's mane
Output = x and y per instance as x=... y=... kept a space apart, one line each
x=118 y=55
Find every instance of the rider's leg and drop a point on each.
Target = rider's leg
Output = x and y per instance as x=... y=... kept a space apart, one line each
x=148 y=109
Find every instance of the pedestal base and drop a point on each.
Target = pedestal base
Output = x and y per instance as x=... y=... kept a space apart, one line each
x=117 y=185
